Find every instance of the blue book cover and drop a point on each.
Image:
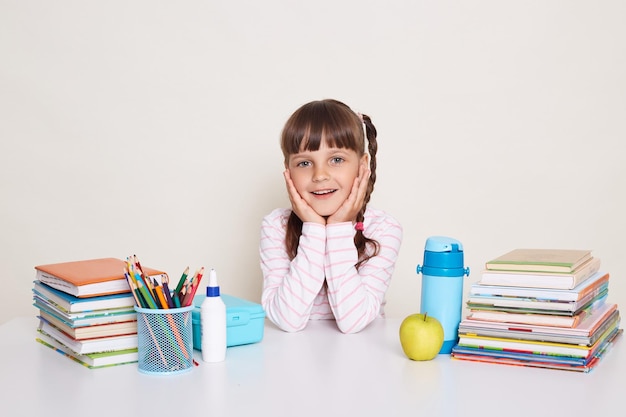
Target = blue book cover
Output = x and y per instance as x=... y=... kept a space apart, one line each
x=72 y=304
x=88 y=318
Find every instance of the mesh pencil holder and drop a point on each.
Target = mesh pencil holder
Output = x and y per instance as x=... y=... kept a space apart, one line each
x=165 y=340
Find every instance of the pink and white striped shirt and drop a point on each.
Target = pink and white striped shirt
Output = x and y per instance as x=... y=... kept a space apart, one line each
x=321 y=282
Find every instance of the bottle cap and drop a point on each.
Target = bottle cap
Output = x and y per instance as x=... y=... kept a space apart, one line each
x=443 y=256
x=212 y=290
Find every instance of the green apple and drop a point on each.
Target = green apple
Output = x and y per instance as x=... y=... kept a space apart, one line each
x=421 y=337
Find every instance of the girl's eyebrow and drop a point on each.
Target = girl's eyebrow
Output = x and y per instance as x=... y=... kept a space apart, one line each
x=328 y=151
x=300 y=154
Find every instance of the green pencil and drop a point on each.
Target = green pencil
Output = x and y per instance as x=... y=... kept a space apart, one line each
x=146 y=295
x=181 y=282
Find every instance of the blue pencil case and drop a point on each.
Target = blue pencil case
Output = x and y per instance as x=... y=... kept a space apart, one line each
x=245 y=321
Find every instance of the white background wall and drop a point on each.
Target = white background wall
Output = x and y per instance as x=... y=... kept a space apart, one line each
x=151 y=128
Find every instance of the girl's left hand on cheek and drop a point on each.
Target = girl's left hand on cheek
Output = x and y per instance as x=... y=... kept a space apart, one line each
x=350 y=208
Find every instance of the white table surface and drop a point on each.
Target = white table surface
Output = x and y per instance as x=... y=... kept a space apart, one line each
x=318 y=371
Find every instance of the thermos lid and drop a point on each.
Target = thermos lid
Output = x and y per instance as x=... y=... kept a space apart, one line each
x=443 y=256
x=443 y=244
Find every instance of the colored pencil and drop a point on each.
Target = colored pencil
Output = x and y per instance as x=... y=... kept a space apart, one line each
x=182 y=280
x=146 y=295
x=133 y=288
x=193 y=288
x=166 y=291
x=158 y=289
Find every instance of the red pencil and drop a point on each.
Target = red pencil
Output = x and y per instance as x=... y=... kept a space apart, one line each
x=192 y=287
x=195 y=286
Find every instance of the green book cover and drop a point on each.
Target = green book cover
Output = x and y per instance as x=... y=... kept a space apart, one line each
x=90 y=360
x=540 y=260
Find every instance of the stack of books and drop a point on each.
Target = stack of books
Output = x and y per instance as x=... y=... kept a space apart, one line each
x=541 y=308
x=86 y=311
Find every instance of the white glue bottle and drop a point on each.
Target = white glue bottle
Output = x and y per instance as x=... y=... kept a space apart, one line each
x=213 y=323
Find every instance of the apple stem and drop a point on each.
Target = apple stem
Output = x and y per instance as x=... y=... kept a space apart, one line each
x=425 y=315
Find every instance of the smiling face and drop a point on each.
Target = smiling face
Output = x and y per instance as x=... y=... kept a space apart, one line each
x=324 y=177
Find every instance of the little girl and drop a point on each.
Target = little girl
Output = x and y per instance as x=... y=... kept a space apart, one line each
x=329 y=256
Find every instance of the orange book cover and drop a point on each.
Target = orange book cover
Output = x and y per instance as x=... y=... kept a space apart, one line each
x=88 y=278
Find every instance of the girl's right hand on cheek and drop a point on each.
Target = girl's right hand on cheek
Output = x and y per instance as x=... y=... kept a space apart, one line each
x=298 y=205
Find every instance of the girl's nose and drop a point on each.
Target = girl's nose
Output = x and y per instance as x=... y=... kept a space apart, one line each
x=320 y=174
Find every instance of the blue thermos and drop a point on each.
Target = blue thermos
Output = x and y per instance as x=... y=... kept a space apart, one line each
x=442 y=285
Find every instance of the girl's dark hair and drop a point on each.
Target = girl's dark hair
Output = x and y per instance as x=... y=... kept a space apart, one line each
x=340 y=127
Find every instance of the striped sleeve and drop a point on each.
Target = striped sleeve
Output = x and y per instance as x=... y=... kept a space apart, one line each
x=357 y=297
x=290 y=287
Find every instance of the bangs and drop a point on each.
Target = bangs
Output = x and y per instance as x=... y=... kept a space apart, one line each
x=328 y=120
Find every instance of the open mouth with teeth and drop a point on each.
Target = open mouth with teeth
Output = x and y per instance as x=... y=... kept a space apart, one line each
x=323 y=192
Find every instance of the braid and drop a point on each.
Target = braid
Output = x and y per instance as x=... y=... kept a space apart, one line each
x=372 y=150
x=360 y=241
x=292 y=238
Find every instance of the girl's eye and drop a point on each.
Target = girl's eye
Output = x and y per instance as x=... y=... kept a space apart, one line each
x=303 y=164
x=336 y=160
